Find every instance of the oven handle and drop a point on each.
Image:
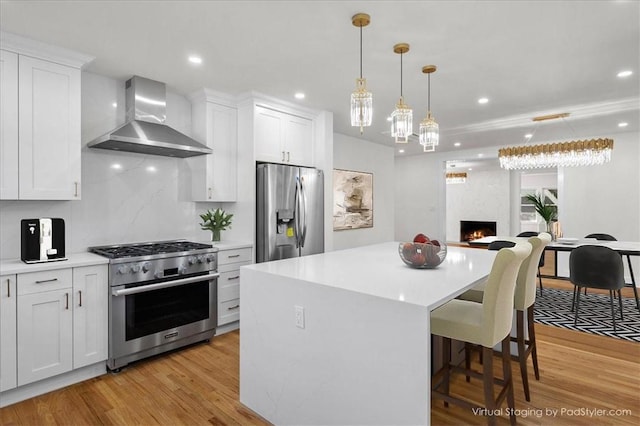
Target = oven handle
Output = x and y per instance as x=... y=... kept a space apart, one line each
x=168 y=284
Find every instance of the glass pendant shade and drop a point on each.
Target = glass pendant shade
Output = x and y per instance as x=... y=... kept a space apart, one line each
x=429 y=133
x=402 y=122
x=361 y=105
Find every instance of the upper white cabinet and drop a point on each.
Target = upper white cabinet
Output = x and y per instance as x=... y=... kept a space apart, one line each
x=281 y=137
x=8 y=353
x=214 y=123
x=41 y=137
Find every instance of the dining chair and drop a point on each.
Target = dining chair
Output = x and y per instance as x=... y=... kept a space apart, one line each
x=597 y=267
x=541 y=263
x=485 y=324
x=607 y=237
x=523 y=301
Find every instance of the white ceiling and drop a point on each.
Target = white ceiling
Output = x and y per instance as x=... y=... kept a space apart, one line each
x=528 y=57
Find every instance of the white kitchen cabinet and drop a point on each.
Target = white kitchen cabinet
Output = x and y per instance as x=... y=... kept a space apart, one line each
x=8 y=306
x=41 y=102
x=215 y=124
x=45 y=325
x=8 y=125
x=283 y=138
x=90 y=315
x=229 y=263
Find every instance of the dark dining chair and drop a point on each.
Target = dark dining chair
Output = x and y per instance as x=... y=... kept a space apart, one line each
x=530 y=234
x=596 y=267
x=500 y=244
x=607 y=237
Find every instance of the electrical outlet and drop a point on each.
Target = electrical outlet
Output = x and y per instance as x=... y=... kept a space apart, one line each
x=299 y=316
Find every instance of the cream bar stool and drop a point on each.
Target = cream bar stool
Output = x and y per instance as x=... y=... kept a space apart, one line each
x=523 y=301
x=484 y=324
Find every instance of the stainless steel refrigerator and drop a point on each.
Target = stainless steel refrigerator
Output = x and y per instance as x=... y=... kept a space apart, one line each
x=290 y=210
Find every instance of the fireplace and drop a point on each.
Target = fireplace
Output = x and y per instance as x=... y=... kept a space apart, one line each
x=472 y=230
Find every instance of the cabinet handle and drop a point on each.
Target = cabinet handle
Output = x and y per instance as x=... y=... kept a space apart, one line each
x=75 y=194
x=210 y=190
x=80 y=295
x=288 y=157
x=233 y=278
x=8 y=287
x=233 y=255
x=66 y=295
x=282 y=155
x=231 y=308
x=47 y=281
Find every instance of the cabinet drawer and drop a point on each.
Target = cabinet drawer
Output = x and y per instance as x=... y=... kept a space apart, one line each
x=228 y=286
x=37 y=282
x=228 y=311
x=232 y=256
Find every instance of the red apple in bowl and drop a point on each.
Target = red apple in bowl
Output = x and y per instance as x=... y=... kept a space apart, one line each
x=421 y=238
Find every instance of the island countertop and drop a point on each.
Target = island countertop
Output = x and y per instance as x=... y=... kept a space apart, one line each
x=377 y=270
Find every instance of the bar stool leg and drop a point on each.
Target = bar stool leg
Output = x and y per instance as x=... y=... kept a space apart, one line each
x=522 y=355
x=508 y=378
x=487 y=380
x=446 y=359
x=532 y=341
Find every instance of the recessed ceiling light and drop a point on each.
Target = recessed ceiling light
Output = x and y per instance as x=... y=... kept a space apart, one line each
x=116 y=166
x=528 y=135
x=388 y=118
x=299 y=95
x=469 y=169
x=401 y=151
x=151 y=169
x=115 y=105
x=483 y=100
x=623 y=124
x=625 y=73
x=195 y=59
x=457 y=144
x=480 y=155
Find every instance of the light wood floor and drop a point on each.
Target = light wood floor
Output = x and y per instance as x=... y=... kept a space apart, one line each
x=199 y=386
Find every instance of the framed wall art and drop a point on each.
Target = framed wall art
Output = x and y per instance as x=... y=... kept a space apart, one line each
x=352 y=200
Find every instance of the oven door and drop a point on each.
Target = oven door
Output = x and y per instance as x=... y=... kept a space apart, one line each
x=150 y=315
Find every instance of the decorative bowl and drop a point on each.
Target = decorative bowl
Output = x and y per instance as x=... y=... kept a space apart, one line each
x=423 y=255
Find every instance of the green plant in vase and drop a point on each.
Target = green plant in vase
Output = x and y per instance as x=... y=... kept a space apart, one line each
x=215 y=221
x=546 y=211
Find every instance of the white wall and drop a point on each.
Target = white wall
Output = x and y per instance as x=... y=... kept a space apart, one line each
x=356 y=154
x=129 y=204
x=484 y=197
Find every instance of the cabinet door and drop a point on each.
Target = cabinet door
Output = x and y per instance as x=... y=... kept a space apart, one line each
x=269 y=137
x=90 y=310
x=298 y=140
x=49 y=130
x=8 y=125
x=44 y=335
x=215 y=175
x=8 y=306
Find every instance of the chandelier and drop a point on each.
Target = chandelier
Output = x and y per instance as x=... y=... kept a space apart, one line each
x=456 y=177
x=361 y=98
x=429 y=133
x=562 y=154
x=402 y=116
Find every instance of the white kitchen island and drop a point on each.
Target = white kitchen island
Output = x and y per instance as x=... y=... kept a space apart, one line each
x=362 y=355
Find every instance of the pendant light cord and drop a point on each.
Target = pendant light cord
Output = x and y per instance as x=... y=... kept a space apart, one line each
x=401 y=54
x=360 y=51
x=429 y=92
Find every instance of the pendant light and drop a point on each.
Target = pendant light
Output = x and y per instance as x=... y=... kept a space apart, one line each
x=429 y=132
x=402 y=116
x=361 y=98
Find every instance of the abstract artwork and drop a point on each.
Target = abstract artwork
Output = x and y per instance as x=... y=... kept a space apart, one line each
x=352 y=200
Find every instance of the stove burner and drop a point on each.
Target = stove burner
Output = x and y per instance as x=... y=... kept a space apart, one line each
x=147 y=249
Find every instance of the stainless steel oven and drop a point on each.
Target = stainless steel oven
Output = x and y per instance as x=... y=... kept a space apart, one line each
x=160 y=300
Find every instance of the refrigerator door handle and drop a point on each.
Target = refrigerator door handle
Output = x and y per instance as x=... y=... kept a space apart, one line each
x=296 y=213
x=303 y=197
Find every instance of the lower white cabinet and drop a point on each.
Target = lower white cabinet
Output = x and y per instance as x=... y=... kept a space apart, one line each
x=8 y=306
x=229 y=263
x=61 y=321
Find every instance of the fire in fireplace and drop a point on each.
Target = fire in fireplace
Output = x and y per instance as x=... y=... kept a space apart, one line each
x=472 y=229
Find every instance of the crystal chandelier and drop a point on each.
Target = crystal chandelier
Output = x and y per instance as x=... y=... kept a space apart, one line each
x=429 y=133
x=402 y=116
x=456 y=177
x=361 y=98
x=563 y=154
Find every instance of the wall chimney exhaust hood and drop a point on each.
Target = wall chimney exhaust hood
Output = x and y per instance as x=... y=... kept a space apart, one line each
x=144 y=131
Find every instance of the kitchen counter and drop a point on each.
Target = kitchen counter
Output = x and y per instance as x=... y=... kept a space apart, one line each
x=17 y=266
x=343 y=337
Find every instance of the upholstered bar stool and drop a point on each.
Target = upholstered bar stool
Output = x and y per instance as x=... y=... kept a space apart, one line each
x=523 y=301
x=485 y=324
x=541 y=263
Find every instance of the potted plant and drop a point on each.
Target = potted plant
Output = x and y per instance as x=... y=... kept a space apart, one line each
x=215 y=221
x=546 y=211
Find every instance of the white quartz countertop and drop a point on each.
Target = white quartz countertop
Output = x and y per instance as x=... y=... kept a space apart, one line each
x=17 y=266
x=229 y=245
x=377 y=270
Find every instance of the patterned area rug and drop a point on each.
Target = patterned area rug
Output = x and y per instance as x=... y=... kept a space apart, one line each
x=553 y=307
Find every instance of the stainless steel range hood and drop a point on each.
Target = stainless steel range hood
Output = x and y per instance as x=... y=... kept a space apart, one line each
x=145 y=131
